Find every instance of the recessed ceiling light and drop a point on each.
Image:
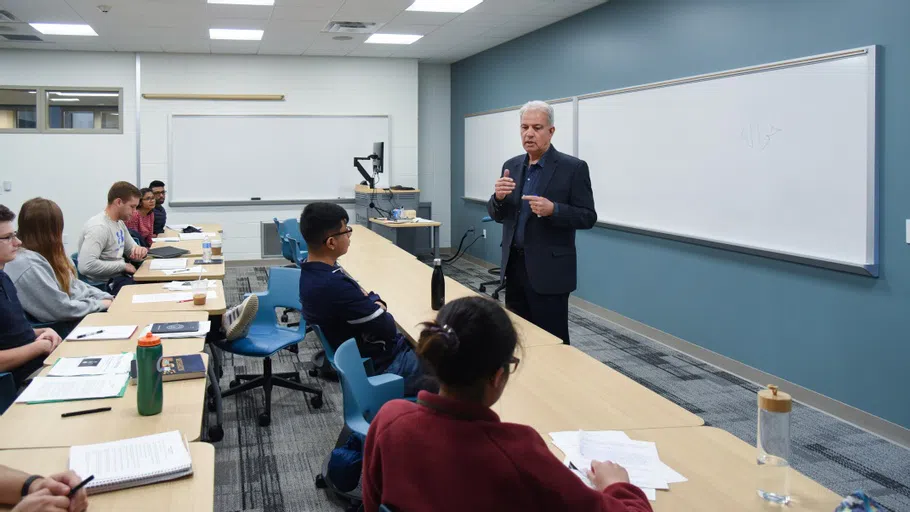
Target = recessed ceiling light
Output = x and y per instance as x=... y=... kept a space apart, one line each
x=392 y=38
x=235 y=34
x=443 y=5
x=243 y=2
x=62 y=29
x=87 y=94
x=64 y=99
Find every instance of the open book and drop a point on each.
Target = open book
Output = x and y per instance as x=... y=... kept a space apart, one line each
x=132 y=462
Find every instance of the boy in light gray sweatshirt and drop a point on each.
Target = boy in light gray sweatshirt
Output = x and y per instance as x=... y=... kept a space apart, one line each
x=105 y=239
x=41 y=295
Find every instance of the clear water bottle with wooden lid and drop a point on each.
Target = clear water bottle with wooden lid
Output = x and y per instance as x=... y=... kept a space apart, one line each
x=774 y=409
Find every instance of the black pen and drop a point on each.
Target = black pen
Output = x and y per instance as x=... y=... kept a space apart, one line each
x=74 y=490
x=86 y=335
x=87 y=411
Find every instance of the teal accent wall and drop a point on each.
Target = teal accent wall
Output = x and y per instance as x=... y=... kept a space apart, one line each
x=842 y=335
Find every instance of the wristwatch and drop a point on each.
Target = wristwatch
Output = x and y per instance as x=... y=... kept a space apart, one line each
x=28 y=483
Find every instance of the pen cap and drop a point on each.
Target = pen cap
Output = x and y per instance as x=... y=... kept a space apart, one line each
x=149 y=340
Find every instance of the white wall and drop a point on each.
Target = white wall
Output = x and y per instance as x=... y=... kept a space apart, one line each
x=74 y=170
x=434 y=135
x=311 y=85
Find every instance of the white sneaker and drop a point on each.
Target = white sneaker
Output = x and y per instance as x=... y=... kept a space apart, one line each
x=236 y=321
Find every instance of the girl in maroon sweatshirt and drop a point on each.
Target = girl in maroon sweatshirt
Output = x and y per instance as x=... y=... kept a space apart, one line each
x=450 y=453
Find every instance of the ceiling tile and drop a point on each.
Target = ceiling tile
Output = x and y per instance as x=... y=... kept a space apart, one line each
x=41 y=11
x=425 y=18
x=417 y=51
x=565 y=8
x=372 y=50
x=130 y=47
x=241 y=47
x=243 y=12
x=510 y=7
x=421 y=30
x=327 y=52
x=324 y=41
x=312 y=10
x=371 y=10
x=520 y=26
x=188 y=46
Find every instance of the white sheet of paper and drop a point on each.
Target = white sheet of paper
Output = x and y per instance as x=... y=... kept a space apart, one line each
x=43 y=389
x=165 y=239
x=184 y=237
x=167 y=264
x=102 y=332
x=186 y=286
x=650 y=493
x=639 y=458
x=146 y=298
x=204 y=328
x=91 y=365
x=129 y=459
x=180 y=271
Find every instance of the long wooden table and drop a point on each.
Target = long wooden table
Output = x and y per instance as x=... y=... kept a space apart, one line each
x=195 y=493
x=145 y=274
x=207 y=227
x=40 y=425
x=123 y=302
x=171 y=346
x=560 y=388
x=193 y=246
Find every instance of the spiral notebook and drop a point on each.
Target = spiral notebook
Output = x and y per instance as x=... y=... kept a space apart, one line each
x=132 y=462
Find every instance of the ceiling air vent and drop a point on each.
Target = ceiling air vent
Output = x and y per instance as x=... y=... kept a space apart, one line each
x=351 y=27
x=6 y=16
x=19 y=37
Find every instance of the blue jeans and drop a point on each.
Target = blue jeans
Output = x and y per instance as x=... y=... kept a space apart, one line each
x=408 y=366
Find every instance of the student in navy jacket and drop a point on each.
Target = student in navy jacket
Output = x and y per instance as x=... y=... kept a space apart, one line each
x=449 y=452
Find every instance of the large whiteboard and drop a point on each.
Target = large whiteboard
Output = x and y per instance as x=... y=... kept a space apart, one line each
x=779 y=158
x=491 y=139
x=234 y=158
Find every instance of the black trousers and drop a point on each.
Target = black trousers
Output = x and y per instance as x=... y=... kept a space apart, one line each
x=550 y=312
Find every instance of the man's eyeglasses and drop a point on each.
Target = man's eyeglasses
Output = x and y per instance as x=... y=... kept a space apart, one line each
x=512 y=365
x=340 y=233
x=9 y=237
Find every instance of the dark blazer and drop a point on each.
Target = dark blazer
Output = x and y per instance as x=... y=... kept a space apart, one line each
x=549 y=241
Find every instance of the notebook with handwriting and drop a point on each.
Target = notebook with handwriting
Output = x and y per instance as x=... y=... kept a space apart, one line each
x=132 y=462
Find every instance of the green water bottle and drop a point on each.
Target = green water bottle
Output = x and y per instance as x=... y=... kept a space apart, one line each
x=150 y=395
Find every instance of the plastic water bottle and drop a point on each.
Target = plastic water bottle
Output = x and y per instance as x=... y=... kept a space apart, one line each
x=150 y=392
x=437 y=286
x=206 y=249
x=774 y=445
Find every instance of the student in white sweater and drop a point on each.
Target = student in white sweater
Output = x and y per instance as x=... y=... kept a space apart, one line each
x=42 y=272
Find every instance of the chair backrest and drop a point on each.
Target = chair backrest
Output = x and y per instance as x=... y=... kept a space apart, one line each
x=284 y=292
x=7 y=391
x=329 y=351
x=298 y=253
x=359 y=400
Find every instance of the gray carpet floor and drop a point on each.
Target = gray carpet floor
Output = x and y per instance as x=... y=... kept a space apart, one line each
x=273 y=468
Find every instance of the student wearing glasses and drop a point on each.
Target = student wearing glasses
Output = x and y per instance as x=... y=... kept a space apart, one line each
x=450 y=452
x=160 y=194
x=141 y=223
x=336 y=303
x=22 y=348
x=45 y=276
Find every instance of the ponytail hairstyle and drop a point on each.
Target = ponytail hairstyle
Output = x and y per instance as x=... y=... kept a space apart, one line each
x=470 y=340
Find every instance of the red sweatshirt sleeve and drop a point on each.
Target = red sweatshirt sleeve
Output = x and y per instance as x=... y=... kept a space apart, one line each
x=557 y=488
x=371 y=479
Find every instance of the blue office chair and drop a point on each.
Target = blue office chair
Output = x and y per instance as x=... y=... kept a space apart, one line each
x=324 y=361
x=266 y=337
x=500 y=285
x=363 y=395
x=283 y=228
x=298 y=254
x=7 y=391
x=101 y=286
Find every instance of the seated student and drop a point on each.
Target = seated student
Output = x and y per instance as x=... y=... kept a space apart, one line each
x=44 y=275
x=105 y=239
x=450 y=452
x=141 y=223
x=22 y=348
x=158 y=190
x=334 y=301
x=39 y=494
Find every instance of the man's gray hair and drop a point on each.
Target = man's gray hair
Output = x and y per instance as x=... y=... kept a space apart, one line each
x=541 y=106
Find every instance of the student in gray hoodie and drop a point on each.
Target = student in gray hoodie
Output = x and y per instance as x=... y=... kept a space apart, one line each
x=42 y=272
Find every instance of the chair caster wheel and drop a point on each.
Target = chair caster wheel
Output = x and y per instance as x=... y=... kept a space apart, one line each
x=483 y=289
x=216 y=433
x=316 y=402
x=495 y=295
x=211 y=405
x=234 y=383
x=265 y=420
x=320 y=482
x=313 y=372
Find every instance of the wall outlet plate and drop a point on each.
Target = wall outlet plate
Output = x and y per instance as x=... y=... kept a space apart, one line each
x=485 y=232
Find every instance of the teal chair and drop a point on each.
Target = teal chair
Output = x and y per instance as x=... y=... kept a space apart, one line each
x=101 y=286
x=286 y=230
x=266 y=337
x=297 y=252
x=363 y=395
x=328 y=354
x=7 y=391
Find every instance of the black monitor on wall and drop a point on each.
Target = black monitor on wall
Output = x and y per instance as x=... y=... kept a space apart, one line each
x=378 y=156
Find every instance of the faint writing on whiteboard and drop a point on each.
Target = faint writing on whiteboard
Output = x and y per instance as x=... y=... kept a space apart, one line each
x=758 y=136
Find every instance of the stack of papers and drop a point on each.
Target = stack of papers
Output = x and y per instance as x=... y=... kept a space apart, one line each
x=204 y=328
x=61 y=389
x=102 y=332
x=197 y=236
x=186 y=286
x=639 y=458
x=168 y=264
x=147 y=298
x=166 y=239
x=91 y=365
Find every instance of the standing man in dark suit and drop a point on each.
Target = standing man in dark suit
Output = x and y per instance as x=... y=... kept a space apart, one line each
x=541 y=198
